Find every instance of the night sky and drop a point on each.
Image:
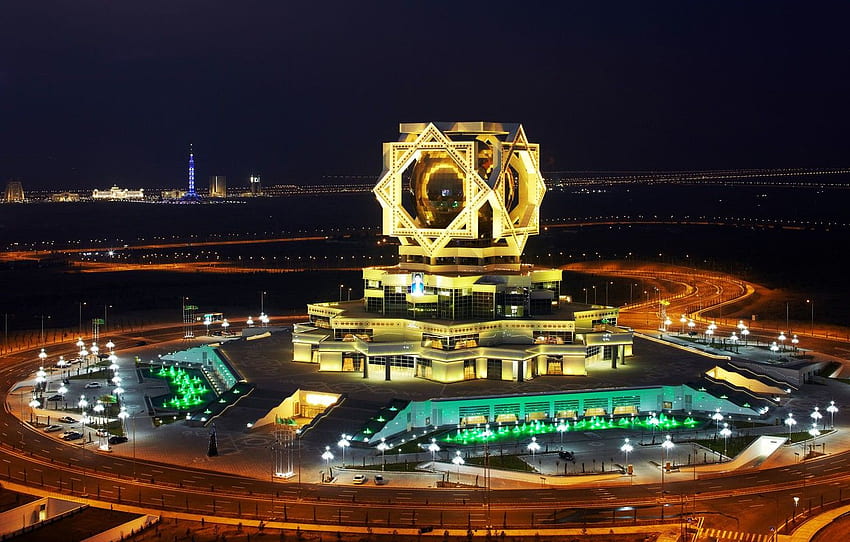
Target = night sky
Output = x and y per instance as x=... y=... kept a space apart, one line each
x=96 y=93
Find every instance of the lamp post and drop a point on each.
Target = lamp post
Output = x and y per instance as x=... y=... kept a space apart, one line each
x=224 y=325
x=774 y=347
x=794 y=342
x=653 y=421
x=684 y=321
x=383 y=447
x=585 y=295
x=562 y=428
x=691 y=325
x=533 y=447
x=626 y=448
x=666 y=446
x=341 y=286
x=796 y=503
x=327 y=455
x=725 y=433
x=607 y=283
x=814 y=432
x=733 y=339
x=717 y=417
x=781 y=339
x=458 y=461
x=62 y=391
x=34 y=404
x=744 y=333
x=433 y=448
x=816 y=416
x=250 y=321
x=832 y=409
x=790 y=422
x=594 y=294
x=343 y=444
x=207 y=322
x=122 y=415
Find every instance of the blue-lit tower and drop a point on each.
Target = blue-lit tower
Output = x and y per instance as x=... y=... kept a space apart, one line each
x=191 y=195
x=191 y=191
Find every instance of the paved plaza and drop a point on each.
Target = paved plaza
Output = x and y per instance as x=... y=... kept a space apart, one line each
x=264 y=363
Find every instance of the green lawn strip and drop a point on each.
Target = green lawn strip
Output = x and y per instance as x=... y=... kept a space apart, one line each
x=502 y=462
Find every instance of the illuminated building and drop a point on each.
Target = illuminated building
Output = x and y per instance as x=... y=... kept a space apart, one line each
x=65 y=197
x=255 y=185
x=218 y=186
x=118 y=194
x=462 y=199
x=14 y=192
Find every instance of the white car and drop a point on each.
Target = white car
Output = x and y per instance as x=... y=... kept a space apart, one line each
x=92 y=385
x=360 y=479
x=53 y=428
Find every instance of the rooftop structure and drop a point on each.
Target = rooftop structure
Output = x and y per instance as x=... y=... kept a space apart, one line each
x=218 y=186
x=462 y=198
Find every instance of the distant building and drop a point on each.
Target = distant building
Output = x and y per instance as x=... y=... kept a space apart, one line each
x=256 y=186
x=116 y=193
x=65 y=196
x=174 y=193
x=14 y=192
x=218 y=186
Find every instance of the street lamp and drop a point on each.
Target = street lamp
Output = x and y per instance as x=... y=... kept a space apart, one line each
x=666 y=446
x=250 y=321
x=653 y=421
x=123 y=415
x=110 y=345
x=433 y=448
x=383 y=447
x=264 y=319
x=327 y=455
x=458 y=461
x=626 y=448
x=790 y=422
x=533 y=447
x=832 y=409
x=725 y=433
x=733 y=339
x=774 y=347
x=34 y=404
x=98 y=409
x=717 y=417
x=691 y=325
x=224 y=325
x=42 y=356
x=667 y=322
x=343 y=444
x=207 y=323
x=814 y=432
x=62 y=391
x=781 y=339
x=684 y=321
x=794 y=342
x=744 y=332
x=561 y=428
x=796 y=503
x=816 y=416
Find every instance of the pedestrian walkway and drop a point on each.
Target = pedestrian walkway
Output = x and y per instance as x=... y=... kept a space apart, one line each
x=721 y=534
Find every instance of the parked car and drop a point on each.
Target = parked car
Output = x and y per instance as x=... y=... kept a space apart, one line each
x=379 y=480
x=360 y=478
x=57 y=397
x=53 y=428
x=72 y=435
x=92 y=385
x=117 y=439
x=67 y=419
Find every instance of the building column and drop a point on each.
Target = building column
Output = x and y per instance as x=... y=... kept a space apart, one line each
x=614 y=355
